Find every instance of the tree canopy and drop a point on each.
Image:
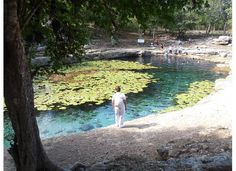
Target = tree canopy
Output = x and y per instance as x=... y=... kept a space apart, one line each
x=63 y=25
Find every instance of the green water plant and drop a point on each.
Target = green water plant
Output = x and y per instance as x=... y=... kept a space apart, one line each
x=90 y=82
x=196 y=91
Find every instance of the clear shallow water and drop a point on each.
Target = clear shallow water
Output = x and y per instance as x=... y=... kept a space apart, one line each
x=174 y=77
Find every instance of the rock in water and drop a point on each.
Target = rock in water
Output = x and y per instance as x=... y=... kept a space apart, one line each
x=86 y=127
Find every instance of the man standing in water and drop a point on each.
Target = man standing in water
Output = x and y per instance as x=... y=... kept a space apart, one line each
x=119 y=105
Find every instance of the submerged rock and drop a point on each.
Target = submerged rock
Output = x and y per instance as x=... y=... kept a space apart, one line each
x=87 y=127
x=70 y=131
x=45 y=132
x=99 y=125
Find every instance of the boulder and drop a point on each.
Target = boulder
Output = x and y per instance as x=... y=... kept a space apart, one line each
x=223 y=40
x=223 y=54
x=41 y=61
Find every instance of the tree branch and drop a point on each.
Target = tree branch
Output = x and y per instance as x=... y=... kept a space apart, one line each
x=112 y=14
x=20 y=10
x=31 y=14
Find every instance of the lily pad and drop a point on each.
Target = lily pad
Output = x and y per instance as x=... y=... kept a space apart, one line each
x=196 y=91
x=90 y=82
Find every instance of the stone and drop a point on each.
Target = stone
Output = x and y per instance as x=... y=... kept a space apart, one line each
x=191 y=162
x=45 y=132
x=163 y=152
x=219 y=162
x=174 y=152
x=70 y=131
x=79 y=167
x=193 y=150
x=98 y=125
x=205 y=147
x=215 y=162
x=107 y=166
x=223 y=54
x=40 y=61
x=223 y=40
x=86 y=127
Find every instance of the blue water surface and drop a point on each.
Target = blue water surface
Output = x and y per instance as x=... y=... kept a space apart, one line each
x=173 y=77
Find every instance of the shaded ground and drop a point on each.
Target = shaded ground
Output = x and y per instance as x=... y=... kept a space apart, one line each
x=202 y=130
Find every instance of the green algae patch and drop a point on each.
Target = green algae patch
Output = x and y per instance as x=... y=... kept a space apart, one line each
x=194 y=94
x=90 y=82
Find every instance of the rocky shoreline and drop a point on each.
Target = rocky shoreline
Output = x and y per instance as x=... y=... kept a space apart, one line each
x=203 y=49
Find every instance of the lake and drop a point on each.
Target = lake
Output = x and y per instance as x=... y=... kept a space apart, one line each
x=174 y=76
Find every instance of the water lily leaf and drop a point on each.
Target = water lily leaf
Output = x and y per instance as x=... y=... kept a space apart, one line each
x=196 y=91
x=90 y=82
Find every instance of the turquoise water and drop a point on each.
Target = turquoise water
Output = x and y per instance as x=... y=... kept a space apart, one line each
x=174 y=77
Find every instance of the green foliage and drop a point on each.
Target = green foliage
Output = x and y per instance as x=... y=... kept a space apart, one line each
x=184 y=17
x=195 y=93
x=90 y=82
x=68 y=34
x=59 y=26
x=62 y=25
x=183 y=20
x=229 y=15
x=216 y=14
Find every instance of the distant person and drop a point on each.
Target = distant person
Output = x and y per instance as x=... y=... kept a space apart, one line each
x=170 y=49
x=190 y=40
x=119 y=105
x=157 y=42
x=162 y=46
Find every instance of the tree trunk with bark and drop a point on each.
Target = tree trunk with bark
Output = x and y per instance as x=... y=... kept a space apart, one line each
x=27 y=150
x=208 y=30
x=225 y=27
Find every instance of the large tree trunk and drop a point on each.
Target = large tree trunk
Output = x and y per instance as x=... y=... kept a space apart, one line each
x=27 y=151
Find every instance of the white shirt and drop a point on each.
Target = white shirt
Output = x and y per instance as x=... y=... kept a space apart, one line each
x=119 y=98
